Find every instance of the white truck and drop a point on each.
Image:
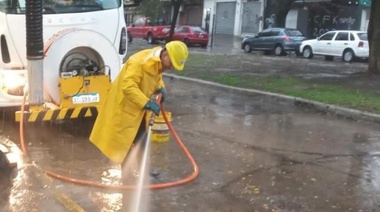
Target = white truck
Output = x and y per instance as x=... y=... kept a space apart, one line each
x=80 y=38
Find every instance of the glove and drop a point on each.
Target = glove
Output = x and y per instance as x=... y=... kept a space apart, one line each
x=163 y=93
x=151 y=105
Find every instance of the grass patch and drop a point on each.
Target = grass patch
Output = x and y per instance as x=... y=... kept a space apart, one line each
x=206 y=61
x=206 y=67
x=229 y=80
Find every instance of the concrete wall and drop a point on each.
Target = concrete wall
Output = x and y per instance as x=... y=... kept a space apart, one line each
x=210 y=5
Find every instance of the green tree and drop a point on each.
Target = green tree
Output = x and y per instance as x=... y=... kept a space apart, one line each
x=152 y=8
x=374 y=39
x=131 y=3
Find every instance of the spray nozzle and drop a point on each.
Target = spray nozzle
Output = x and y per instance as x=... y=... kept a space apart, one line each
x=156 y=98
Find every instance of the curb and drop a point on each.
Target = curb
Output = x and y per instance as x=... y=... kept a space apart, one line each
x=321 y=107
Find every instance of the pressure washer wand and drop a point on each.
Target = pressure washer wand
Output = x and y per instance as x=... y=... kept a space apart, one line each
x=157 y=99
x=143 y=171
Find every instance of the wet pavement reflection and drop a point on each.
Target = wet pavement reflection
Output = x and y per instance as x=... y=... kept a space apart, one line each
x=255 y=153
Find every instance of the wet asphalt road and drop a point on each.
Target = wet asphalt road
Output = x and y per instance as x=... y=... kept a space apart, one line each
x=255 y=153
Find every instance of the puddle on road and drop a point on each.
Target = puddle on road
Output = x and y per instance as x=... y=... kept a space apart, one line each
x=252 y=151
x=64 y=148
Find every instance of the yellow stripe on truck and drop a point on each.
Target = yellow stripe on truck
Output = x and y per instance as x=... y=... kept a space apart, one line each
x=57 y=114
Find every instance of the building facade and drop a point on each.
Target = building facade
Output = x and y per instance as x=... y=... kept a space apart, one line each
x=312 y=17
x=233 y=17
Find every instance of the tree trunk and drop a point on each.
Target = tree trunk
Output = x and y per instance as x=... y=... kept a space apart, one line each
x=276 y=12
x=176 y=5
x=281 y=18
x=374 y=39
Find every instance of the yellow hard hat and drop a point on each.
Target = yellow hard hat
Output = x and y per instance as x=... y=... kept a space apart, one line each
x=178 y=54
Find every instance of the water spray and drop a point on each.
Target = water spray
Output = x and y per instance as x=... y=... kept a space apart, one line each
x=144 y=161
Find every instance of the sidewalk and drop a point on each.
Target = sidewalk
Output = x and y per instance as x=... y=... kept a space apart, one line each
x=225 y=41
x=221 y=44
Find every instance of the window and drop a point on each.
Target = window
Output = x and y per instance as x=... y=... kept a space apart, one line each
x=149 y=22
x=161 y=21
x=182 y=29
x=275 y=32
x=139 y=22
x=342 y=36
x=179 y=29
x=293 y=32
x=186 y=29
x=198 y=30
x=327 y=36
x=363 y=36
x=265 y=33
x=352 y=37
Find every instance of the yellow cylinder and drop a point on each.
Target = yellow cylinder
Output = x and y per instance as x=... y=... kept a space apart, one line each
x=160 y=130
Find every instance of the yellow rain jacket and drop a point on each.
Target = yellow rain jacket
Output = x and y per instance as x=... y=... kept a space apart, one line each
x=122 y=112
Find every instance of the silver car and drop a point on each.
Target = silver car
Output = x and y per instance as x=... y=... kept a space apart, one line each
x=276 y=40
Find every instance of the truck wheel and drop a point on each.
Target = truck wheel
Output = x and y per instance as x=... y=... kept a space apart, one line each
x=150 y=38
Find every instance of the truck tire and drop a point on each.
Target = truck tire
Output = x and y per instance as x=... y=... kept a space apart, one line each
x=82 y=41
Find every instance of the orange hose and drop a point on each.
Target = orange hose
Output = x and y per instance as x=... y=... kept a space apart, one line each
x=189 y=178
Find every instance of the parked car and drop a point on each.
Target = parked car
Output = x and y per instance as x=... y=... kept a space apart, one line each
x=191 y=35
x=347 y=44
x=148 y=29
x=276 y=40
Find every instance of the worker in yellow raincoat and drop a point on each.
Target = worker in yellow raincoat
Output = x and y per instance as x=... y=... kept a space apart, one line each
x=123 y=116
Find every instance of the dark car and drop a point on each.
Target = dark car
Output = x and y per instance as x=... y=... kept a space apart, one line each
x=191 y=35
x=276 y=40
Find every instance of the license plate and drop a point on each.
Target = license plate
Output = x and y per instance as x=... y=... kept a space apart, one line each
x=201 y=36
x=86 y=98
